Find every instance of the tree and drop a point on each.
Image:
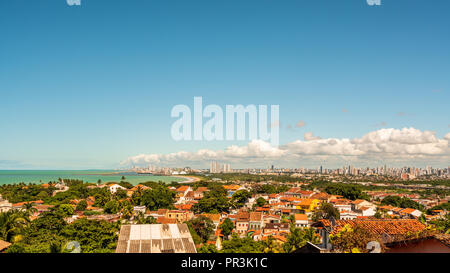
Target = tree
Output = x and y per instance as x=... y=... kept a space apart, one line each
x=271 y=246
x=12 y=223
x=29 y=208
x=401 y=202
x=296 y=240
x=240 y=197
x=211 y=204
x=260 y=202
x=378 y=214
x=351 y=192
x=443 y=224
x=136 y=197
x=51 y=221
x=42 y=195
x=208 y=248
x=81 y=206
x=326 y=211
x=214 y=201
x=102 y=196
x=203 y=226
x=227 y=227
x=93 y=236
x=242 y=245
x=140 y=219
x=126 y=208
x=111 y=207
x=66 y=210
x=159 y=197
x=125 y=184
x=350 y=239
x=120 y=194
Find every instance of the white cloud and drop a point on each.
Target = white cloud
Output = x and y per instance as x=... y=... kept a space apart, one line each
x=447 y=136
x=394 y=145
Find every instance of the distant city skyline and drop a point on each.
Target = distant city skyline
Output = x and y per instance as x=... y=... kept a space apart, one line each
x=92 y=86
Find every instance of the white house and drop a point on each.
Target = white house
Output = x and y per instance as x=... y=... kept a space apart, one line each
x=360 y=203
x=367 y=211
x=348 y=215
x=114 y=187
x=301 y=220
x=412 y=213
x=343 y=206
x=4 y=205
x=139 y=209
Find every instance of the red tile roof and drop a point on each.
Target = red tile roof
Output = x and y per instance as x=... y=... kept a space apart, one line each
x=301 y=217
x=380 y=226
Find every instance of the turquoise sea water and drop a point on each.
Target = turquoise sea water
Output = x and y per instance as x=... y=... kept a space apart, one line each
x=13 y=177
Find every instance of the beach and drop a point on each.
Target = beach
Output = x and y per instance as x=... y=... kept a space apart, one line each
x=188 y=179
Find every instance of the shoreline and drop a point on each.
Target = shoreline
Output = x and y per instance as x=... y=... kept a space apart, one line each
x=189 y=179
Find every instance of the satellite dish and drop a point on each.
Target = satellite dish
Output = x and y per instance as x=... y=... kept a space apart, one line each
x=373 y=247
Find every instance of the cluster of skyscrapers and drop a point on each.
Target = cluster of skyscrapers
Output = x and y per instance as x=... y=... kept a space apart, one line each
x=216 y=167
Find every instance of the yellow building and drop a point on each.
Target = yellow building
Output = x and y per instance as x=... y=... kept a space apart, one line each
x=308 y=204
x=180 y=215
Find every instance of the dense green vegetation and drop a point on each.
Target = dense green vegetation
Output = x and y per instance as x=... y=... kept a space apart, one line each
x=401 y=202
x=22 y=192
x=260 y=202
x=201 y=229
x=12 y=224
x=241 y=245
x=269 y=189
x=240 y=197
x=51 y=233
x=442 y=225
x=214 y=201
x=299 y=237
x=226 y=227
x=296 y=239
x=158 y=197
x=348 y=191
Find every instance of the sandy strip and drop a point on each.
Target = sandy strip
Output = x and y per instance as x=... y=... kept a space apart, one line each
x=189 y=179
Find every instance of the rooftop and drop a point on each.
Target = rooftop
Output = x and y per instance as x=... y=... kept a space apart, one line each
x=155 y=238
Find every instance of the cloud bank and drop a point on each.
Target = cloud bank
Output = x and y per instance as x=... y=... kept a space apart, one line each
x=407 y=145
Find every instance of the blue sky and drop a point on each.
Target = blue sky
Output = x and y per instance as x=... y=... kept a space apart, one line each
x=88 y=86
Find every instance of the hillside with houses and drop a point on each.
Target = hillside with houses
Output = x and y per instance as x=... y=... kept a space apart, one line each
x=224 y=216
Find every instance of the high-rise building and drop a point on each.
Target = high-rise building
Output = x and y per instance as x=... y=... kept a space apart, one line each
x=227 y=168
x=215 y=167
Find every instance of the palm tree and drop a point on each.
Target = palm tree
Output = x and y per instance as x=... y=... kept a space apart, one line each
x=12 y=223
x=29 y=208
x=127 y=211
x=141 y=219
x=310 y=236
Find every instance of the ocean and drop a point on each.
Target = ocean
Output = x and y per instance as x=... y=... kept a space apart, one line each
x=41 y=176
